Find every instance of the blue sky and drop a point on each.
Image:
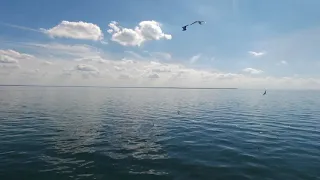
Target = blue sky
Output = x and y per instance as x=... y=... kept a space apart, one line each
x=282 y=37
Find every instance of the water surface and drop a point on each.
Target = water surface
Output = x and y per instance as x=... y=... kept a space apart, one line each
x=99 y=133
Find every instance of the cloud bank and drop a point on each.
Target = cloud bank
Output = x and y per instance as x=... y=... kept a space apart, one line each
x=252 y=71
x=90 y=67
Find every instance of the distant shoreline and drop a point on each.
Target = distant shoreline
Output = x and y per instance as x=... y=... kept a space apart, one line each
x=110 y=87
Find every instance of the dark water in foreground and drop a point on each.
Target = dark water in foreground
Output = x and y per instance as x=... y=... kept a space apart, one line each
x=91 y=133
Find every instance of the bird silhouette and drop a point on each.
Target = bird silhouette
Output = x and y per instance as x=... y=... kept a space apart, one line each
x=199 y=22
x=184 y=28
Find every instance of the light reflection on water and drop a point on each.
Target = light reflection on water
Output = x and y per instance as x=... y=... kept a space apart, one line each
x=91 y=133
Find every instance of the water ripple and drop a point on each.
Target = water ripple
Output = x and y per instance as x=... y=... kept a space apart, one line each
x=75 y=133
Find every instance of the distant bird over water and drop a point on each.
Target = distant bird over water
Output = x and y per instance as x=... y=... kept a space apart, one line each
x=184 y=28
x=265 y=92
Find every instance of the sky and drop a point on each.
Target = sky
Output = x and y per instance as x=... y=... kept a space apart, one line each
x=243 y=44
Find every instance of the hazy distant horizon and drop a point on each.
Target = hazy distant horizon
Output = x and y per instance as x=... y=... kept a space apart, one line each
x=156 y=87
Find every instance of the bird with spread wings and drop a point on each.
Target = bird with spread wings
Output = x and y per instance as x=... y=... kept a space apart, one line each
x=184 y=28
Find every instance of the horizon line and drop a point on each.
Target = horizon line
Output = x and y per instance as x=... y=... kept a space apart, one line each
x=110 y=87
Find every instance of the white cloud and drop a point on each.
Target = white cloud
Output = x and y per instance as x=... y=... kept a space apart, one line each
x=75 y=30
x=161 y=70
x=134 y=55
x=252 y=71
x=10 y=66
x=63 y=50
x=93 y=69
x=7 y=59
x=21 y=27
x=114 y=27
x=31 y=72
x=14 y=54
x=128 y=37
x=86 y=67
x=10 y=59
x=227 y=75
x=195 y=58
x=96 y=58
x=147 y=56
x=161 y=55
x=154 y=76
x=47 y=63
x=257 y=54
x=84 y=70
x=282 y=63
x=124 y=76
x=117 y=68
x=151 y=30
x=145 y=31
x=63 y=47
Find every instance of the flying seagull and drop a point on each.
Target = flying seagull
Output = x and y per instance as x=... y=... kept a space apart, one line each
x=184 y=28
x=265 y=92
x=199 y=22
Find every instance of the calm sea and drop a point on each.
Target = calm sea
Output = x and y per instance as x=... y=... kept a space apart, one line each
x=99 y=133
